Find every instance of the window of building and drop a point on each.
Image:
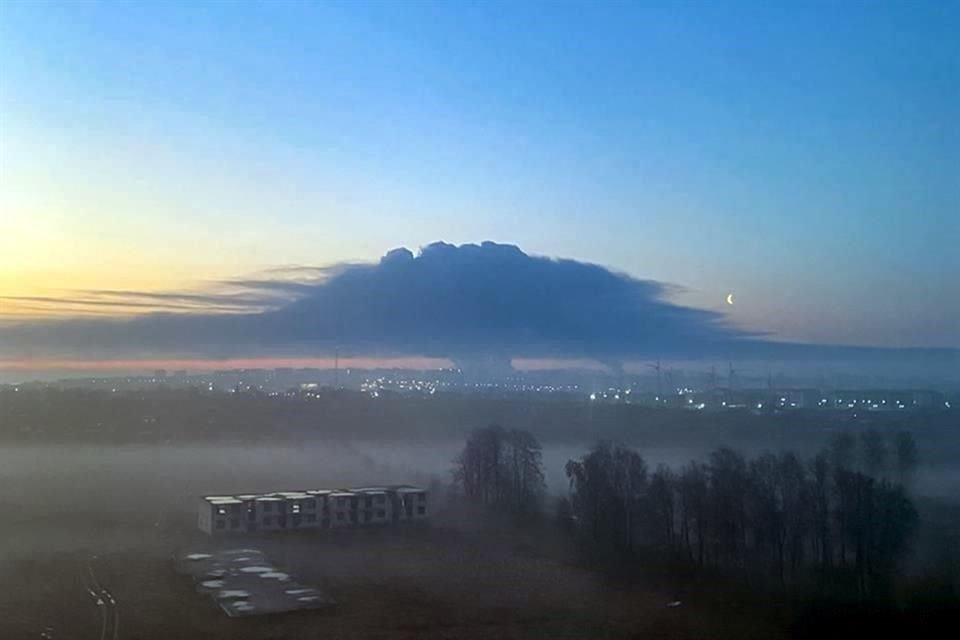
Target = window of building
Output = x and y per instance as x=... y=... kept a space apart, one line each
x=268 y=521
x=341 y=502
x=339 y=516
x=381 y=499
x=381 y=513
x=295 y=508
x=311 y=517
x=421 y=510
x=268 y=506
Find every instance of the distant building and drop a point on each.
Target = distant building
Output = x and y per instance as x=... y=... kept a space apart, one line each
x=797 y=399
x=311 y=509
x=885 y=399
x=773 y=400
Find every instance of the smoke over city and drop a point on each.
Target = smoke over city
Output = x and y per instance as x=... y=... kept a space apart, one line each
x=459 y=302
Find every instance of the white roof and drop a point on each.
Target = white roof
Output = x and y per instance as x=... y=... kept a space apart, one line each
x=277 y=496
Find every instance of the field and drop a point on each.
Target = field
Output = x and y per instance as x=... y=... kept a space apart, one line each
x=102 y=515
x=447 y=579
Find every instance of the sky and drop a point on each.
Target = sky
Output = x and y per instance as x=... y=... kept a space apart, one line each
x=805 y=158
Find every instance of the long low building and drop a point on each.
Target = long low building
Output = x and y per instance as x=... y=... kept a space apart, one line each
x=311 y=509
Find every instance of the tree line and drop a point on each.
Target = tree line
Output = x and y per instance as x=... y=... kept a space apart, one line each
x=503 y=468
x=774 y=518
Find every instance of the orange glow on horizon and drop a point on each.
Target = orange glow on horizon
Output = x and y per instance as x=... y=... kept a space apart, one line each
x=196 y=364
x=206 y=364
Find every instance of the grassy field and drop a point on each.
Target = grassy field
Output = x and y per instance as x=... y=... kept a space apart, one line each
x=451 y=578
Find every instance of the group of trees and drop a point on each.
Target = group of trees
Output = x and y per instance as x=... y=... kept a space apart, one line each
x=870 y=453
x=502 y=467
x=775 y=516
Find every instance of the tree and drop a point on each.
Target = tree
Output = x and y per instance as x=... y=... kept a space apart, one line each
x=501 y=467
x=820 y=510
x=772 y=517
x=876 y=519
x=661 y=500
x=526 y=482
x=607 y=486
x=874 y=453
x=845 y=498
x=766 y=509
x=796 y=500
x=893 y=523
x=906 y=457
x=729 y=485
x=478 y=470
x=843 y=450
x=694 y=510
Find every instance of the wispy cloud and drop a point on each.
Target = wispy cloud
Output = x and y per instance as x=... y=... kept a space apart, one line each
x=228 y=296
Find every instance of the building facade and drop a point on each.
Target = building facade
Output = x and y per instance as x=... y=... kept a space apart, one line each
x=310 y=509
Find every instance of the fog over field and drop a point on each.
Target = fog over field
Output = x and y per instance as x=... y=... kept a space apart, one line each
x=144 y=477
x=113 y=481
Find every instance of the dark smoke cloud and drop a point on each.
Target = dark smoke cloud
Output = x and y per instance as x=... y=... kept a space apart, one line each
x=460 y=302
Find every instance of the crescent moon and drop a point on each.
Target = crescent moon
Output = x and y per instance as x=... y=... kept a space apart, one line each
x=730 y=298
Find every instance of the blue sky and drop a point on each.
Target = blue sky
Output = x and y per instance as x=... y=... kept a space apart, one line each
x=806 y=158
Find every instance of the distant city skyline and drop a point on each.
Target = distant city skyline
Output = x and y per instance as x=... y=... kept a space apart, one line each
x=804 y=158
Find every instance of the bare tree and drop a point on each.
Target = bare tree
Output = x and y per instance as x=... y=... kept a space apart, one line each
x=874 y=453
x=662 y=505
x=843 y=451
x=729 y=485
x=694 y=511
x=773 y=517
x=820 y=510
x=525 y=471
x=906 y=457
x=501 y=467
x=607 y=486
